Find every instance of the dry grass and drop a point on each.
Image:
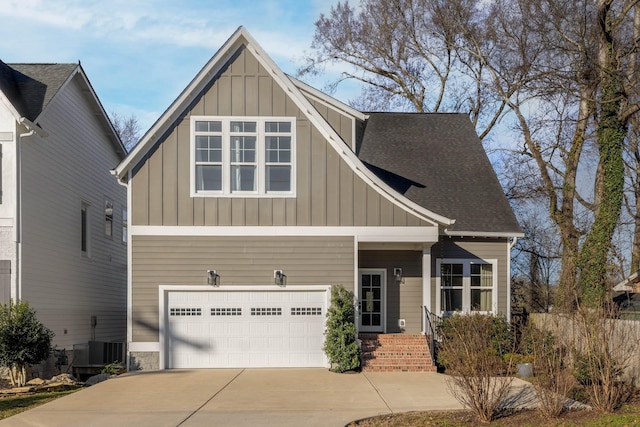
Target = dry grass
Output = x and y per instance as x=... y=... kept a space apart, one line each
x=628 y=416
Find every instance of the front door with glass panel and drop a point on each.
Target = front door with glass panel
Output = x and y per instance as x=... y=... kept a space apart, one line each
x=371 y=298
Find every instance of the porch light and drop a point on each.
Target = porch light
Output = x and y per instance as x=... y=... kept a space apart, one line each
x=279 y=278
x=213 y=278
x=397 y=273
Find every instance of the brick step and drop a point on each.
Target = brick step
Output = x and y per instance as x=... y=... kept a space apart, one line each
x=396 y=353
x=400 y=369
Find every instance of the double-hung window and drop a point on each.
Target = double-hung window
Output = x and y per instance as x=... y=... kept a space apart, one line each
x=242 y=156
x=466 y=286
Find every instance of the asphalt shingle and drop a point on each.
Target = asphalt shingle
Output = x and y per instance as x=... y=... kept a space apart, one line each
x=30 y=87
x=437 y=161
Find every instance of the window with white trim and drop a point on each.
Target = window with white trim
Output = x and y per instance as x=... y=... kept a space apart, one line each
x=242 y=156
x=466 y=286
x=125 y=225
x=85 y=240
x=108 y=218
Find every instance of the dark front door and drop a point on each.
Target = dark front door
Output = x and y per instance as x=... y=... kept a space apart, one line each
x=372 y=300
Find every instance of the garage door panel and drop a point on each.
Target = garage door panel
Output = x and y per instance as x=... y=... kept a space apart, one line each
x=246 y=329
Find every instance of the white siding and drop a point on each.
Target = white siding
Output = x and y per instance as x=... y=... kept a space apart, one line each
x=8 y=189
x=60 y=172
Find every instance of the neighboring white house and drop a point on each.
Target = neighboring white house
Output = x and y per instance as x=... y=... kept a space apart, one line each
x=62 y=216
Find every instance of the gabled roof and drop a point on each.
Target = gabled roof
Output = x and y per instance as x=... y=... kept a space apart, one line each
x=29 y=88
x=437 y=160
x=241 y=37
x=630 y=284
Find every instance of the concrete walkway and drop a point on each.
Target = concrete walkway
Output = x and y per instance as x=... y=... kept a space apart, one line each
x=243 y=397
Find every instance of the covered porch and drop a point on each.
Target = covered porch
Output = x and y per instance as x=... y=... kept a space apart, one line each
x=393 y=291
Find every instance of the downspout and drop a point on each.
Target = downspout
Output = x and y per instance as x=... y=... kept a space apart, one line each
x=31 y=130
x=129 y=268
x=18 y=213
x=511 y=246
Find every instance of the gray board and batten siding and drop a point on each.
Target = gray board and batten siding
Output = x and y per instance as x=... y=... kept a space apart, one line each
x=404 y=300
x=328 y=192
x=177 y=260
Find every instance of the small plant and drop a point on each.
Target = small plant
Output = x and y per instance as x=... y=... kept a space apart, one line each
x=602 y=352
x=24 y=340
x=341 y=345
x=472 y=351
x=114 y=368
x=553 y=378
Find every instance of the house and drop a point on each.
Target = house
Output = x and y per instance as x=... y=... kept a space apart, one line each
x=62 y=215
x=254 y=193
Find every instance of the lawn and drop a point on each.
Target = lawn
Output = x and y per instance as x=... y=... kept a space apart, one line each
x=12 y=405
x=628 y=415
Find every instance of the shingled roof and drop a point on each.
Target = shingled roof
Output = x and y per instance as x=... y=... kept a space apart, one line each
x=30 y=87
x=437 y=161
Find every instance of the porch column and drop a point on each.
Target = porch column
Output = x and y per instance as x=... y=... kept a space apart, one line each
x=426 y=282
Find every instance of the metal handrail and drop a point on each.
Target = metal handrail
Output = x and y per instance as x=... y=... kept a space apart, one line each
x=432 y=327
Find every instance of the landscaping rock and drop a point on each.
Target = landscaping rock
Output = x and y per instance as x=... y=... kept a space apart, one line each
x=96 y=379
x=36 y=382
x=64 y=379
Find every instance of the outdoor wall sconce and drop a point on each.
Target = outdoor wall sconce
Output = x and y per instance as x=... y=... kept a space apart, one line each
x=279 y=278
x=397 y=273
x=213 y=278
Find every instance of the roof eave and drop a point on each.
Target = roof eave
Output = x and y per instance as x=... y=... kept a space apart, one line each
x=218 y=61
x=103 y=117
x=177 y=106
x=490 y=234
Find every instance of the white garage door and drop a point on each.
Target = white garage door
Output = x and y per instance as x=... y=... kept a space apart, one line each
x=246 y=329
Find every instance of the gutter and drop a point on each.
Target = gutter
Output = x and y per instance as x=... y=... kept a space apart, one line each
x=483 y=234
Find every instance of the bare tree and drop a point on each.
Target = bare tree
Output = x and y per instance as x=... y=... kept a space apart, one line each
x=404 y=50
x=128 y=129
x=565 y=70
x=536 y=262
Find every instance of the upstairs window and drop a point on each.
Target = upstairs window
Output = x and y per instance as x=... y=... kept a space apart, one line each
x=84 y=229
x=242 y=156
x=108 y=218
x=125 y=225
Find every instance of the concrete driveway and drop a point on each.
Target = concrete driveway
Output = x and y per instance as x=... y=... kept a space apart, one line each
x=241 y=397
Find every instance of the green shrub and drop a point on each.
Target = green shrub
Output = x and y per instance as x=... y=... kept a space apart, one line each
x=341 y=345
x=472 y=351
x=114 y=368
x=24 y=340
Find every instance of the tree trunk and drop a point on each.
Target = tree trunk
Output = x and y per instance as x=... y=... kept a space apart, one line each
x=610 y=133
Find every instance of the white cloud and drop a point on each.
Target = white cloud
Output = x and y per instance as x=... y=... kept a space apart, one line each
x=140 y=54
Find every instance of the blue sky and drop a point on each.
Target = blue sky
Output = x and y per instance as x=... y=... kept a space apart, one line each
x=140 y=54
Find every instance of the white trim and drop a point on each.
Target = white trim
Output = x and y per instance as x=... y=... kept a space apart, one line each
x=163 y=290
x=356 y=278
x=426 y=282
x=363 y=234
x=215 y=64
x=510 y=245
x=327 y=100
x=103 y=117
x=334 y=104
x=129 y=263
x=466 y=283
x=500 y=234
x=144 y=346
x=383 y=297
